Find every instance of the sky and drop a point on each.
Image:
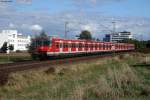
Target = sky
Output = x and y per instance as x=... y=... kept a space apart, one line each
x=32 y=16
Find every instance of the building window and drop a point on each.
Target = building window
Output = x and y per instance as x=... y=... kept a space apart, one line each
x=13 y=35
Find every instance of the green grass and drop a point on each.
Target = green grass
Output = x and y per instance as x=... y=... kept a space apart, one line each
x=16 y=58
x=102 y=79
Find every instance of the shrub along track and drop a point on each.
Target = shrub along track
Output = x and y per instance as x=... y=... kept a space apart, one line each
x=6 y=69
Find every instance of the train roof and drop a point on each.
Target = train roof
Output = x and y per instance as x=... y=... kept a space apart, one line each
x=78 y=40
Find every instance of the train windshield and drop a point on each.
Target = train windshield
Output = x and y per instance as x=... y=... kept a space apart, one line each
x=43 y=42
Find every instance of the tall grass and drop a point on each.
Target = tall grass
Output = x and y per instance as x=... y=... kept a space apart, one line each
x=102 y=79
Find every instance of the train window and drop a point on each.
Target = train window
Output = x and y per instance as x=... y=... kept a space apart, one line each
x=106 y=46
x=60 y=45
x=69 y=45
x=57 y=45
x=96 y=46
x=73 y=45
x=91 y=45
x=103 y=46
x=83 y=45
x=86 y=45
x=117 y=46
x=100 y=46
x=65 y=45
x=77 y=45
x=80 y=45
x=110 y=46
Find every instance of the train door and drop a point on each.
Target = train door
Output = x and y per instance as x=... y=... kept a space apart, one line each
x=61 y=47
x=56 y=48
x=77 y=46
x=113 y=47
x=65 y=47
x=92 y=47
x=86 y=47
x=80 y=47
x=69 y=47
x=73 y=47
x=89 y=47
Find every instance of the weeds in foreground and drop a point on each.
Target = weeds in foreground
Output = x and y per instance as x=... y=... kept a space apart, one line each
x=103 y=79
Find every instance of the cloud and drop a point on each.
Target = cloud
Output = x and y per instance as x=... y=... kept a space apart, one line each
x=11 y=25
x=98 y=24
x=82 y=3
x=36 y=27
x=92 y=27
x=24 y=1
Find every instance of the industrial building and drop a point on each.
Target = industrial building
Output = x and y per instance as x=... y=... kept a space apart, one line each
x=118 y=36
x=17 y=40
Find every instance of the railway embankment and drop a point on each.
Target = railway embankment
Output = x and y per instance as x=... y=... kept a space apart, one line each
x=114 y=78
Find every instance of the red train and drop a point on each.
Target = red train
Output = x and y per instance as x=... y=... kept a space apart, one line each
x=57 y=47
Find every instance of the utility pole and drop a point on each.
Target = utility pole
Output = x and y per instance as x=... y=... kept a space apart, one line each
x=113 y=30
x=114 y=26
x=66 y=31
x=142 y=42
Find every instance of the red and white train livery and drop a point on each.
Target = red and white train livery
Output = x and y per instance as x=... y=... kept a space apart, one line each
x=57 y=46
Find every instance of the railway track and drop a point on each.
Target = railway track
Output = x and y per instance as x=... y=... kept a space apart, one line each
x=21 y=66
x=6 y=69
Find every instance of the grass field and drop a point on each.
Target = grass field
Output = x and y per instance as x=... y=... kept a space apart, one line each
x=103 y=79
x=13 y=57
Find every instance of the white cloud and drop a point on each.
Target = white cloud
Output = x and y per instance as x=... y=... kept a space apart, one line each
x=24 y=1
x=82 y=3
x=11 y=25
x=93 y=28
x=54 y=23
x=36 y=27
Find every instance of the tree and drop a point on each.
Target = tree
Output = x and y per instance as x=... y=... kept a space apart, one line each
x=4 y=48
x=98 y=40
x=148 y=44
x=138 y=44
x=85 y=35
x=11 y=47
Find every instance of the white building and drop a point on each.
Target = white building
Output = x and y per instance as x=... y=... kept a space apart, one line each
x=12 y=37
x=115 y=37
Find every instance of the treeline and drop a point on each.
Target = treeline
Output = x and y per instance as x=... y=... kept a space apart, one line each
x=138 y=44
x=6 y=47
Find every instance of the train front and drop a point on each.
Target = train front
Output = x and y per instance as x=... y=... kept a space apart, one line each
x=42 y=46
